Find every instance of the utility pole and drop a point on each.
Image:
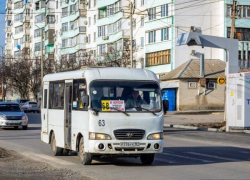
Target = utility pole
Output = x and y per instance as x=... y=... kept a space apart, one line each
x=233 y=20
x=41 y=30
x=131 y=33
x=2 y=70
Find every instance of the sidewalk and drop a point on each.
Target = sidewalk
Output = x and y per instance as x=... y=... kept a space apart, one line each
x=184 y=117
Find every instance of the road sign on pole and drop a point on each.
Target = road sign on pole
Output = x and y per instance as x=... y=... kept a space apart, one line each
x=221 y=80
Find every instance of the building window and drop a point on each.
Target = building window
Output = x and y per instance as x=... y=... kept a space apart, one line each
x=40 y=18
x=89 y=21
x=94 y=19
x=38 y=46
x=211 y=85
x=102 y=13
x=101 y=31
x=64 y=12
x=152 y=13
x=50 y=19
x=18 y=5
x=72 y=25
x=18 y=29
x=102 y=49
x=18 y=17
x=242 y=11
x=164 y=10
x=192 y=85
x=9 y=23
x=110 y=10
x=142 y=41
x=65 y=27
x=142 y=2
x=89 y=38
x=94 y=3
x=164 y=34
x=142 y=21
x=151 y=36
x=158 y=58
x=89 y=3
x=73 y=9
x=94 y=36
x=242 y=34
x=64 y=43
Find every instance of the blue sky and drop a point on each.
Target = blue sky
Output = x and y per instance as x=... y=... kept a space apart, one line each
x=2 y=23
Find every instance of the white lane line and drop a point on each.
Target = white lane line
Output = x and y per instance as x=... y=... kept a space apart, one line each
x=180 y=156
x=244 y=152
x=170 y=162
x=212 y=156
x=56 y=160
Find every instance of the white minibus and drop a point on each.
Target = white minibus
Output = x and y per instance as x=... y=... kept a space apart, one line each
x=101 y=112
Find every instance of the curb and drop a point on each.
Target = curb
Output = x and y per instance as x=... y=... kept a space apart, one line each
x=193 y=128
x=197 y=112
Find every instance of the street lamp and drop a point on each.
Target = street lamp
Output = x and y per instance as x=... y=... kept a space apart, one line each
x=41 y=33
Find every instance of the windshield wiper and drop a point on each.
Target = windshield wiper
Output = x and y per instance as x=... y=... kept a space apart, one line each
x=143 y=109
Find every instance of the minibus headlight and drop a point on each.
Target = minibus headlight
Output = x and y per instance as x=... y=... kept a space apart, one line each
x=155 y=136
x=99 y=136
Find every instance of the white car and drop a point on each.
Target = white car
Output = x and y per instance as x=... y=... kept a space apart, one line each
x=11 y=115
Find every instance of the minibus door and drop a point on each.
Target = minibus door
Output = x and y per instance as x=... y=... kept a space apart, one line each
x=68 y=110
x=44 y=108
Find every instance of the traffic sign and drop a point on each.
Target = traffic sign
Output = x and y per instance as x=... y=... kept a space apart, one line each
x=221 y=80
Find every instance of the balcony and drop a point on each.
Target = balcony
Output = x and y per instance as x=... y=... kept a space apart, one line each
x=8 y=17
x=50 y=11
x=8 y=29
x=26 y=19
x=7 y=40
x=8 y=47
x=25 y=45
x=83 y=12
x=8 y=5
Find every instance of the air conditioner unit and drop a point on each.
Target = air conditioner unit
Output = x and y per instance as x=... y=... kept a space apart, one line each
x=85 y=22
x=105 y=37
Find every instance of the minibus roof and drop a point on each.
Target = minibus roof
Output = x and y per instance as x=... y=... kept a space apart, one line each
x=109 y=73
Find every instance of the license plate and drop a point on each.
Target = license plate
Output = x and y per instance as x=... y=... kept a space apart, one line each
x=129 y=144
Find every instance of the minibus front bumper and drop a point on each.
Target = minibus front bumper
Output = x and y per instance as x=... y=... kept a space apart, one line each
x=125 y=147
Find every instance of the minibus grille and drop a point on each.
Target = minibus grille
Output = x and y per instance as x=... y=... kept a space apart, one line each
x=129 y=134
x=13 y=117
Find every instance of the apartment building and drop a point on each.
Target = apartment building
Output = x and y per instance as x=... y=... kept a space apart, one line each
x=167 y=19
x=99 y=30
x=242 y=27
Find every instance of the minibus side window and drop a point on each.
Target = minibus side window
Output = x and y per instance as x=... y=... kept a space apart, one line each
x=56 y=95
x=79 y=90
x=45 y=99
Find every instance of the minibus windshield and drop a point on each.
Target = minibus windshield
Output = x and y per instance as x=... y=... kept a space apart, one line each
x=126 y=96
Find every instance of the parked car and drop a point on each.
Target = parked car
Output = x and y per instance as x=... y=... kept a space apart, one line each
x=30 y=106
x=21 y=101
x=11 y=115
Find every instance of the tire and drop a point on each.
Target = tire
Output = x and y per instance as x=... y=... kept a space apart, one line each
x=16 y=127
x=65 y=152
x=56 y=151
x=85 y=158
x=147 y=159
x=25 y=127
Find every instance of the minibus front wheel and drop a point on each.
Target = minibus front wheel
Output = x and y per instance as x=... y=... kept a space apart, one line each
x=85 y=158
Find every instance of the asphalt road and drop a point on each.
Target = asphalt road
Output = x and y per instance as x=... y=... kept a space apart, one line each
x=187 y=155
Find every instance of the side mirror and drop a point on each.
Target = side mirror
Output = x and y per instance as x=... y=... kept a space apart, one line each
x=85 y=100
x=165 y=105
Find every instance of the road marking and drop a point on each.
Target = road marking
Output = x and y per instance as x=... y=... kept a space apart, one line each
x=245 y=152
x=202 y=160
x=212 y=156
x=170 y=162
x=56 y=160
